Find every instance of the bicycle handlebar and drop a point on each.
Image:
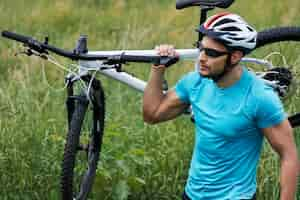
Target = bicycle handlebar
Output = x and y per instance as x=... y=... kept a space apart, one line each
x=15 y=36
x=43 y=47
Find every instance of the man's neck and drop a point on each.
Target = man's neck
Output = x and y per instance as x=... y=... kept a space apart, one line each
x=230 y=77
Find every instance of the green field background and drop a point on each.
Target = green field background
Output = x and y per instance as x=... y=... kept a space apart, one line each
x=139 y=161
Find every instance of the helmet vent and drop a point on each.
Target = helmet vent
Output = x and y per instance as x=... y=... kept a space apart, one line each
x=232 y=28
x=236 y=38
x=224 y=21
x=250 y=29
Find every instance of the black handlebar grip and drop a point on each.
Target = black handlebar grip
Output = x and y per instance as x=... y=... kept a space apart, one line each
x=15 y=36
x=156 y=60
x=168 y=60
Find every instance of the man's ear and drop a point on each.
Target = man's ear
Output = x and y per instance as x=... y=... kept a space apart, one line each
x=236 y=57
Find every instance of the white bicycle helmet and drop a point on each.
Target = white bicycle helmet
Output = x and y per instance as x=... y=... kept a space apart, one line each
x=231 y=30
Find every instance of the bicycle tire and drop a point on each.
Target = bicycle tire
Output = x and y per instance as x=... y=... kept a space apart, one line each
x=276 y=36
x=73 y=187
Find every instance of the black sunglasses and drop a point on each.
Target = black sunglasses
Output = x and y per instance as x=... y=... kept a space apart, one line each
x=211 y=52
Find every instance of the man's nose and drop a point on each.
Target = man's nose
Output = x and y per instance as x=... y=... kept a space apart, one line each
x=202 y=57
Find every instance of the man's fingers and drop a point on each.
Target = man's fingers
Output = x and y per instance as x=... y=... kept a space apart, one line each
x=166 y=50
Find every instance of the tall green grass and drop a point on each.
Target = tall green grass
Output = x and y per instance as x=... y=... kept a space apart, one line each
x=139 y=161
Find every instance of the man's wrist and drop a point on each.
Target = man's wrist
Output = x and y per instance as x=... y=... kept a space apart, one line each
x=158 y=67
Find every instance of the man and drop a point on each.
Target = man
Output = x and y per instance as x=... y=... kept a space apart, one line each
x=233 y=109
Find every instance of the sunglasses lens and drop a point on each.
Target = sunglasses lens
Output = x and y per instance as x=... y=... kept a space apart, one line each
x=211 y=52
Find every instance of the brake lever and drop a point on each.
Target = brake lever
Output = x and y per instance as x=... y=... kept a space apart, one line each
x=35 y=47
x=29 y=52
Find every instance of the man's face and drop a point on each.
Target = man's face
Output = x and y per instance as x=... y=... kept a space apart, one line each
x=212 y=57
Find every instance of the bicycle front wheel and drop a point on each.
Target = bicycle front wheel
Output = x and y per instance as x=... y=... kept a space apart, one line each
x=281 y=46
x=83 y=146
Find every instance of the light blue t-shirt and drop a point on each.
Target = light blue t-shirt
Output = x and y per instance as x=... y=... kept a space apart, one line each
x=228 y=139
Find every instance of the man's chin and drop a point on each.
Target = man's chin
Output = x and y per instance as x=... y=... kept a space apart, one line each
x=205 y=75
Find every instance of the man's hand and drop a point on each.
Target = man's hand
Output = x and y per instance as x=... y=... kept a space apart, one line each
x=166 y=50
x=168 y=54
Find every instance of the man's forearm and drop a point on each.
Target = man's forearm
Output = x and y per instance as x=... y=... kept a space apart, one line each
x=288 y=178
x=153 y=93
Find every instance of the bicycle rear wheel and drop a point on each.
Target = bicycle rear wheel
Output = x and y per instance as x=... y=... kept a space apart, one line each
x=83 y=146
x=285 y=42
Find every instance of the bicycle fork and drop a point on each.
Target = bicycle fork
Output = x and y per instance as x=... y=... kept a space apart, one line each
x=95 y=96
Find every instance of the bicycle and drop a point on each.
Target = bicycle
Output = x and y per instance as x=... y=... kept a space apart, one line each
x=82 y=152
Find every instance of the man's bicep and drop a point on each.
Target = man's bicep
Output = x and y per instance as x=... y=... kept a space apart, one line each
x=171 y=106
x=280 y=136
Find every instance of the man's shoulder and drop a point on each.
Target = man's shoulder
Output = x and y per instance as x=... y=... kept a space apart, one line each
x=262 y=90
x=264 y=98
x=269 y=109
x=259 y=94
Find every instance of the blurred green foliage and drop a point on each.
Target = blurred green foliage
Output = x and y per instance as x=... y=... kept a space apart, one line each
x=139 y=161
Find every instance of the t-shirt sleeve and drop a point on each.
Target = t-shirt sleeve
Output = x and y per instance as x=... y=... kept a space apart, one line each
x=270 y=111
x=182 y=87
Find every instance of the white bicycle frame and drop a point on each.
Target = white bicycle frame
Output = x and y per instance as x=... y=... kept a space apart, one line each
x=138 y=84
